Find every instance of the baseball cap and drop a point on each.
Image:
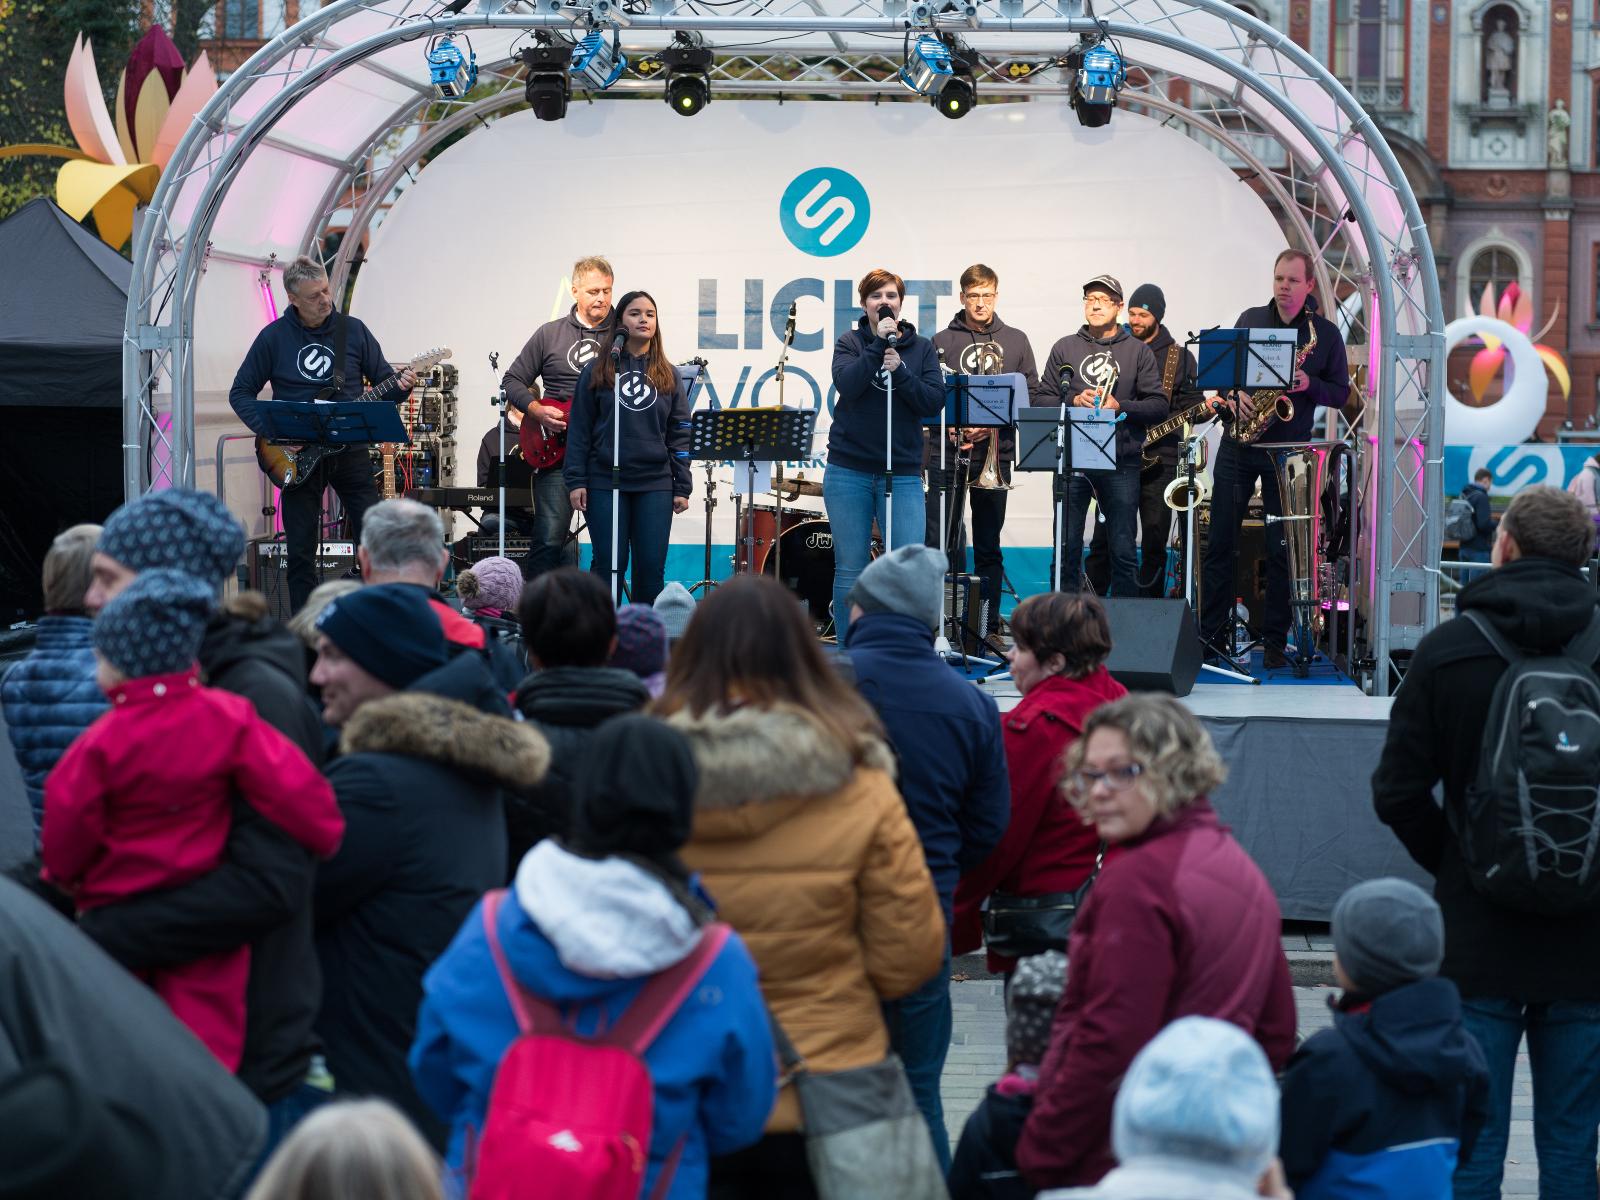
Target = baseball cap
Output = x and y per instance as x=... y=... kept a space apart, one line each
x=1107 y=283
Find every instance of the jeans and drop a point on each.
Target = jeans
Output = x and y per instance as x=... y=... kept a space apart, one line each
x=1118 y=495
x=1155 y=528
x=552 y=515
x=285 y=1113
x=1564 y=1054
x=853 y=499
x=644 y=528
x=988 y=506
x=1472 y=556
x=350 y=476
x=920 y=1028
x=1234 y=478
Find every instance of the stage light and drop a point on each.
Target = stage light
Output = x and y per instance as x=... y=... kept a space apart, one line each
x=688 y=65
x=927 y=68
x=453 y=76
x=597 y=63
x=960 y=92
x=549 y=86
x=1097 y=74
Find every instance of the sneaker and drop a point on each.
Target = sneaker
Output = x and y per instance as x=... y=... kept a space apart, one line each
x=1273 y=657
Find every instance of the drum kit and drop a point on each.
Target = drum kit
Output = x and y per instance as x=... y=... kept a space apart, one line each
x=793 y=545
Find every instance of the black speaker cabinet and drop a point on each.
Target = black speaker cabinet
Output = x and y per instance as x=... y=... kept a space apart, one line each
x=1154 y=646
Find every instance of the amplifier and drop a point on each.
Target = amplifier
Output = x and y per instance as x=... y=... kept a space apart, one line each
x=268 y=563
x=962 y=597
x=480 y=548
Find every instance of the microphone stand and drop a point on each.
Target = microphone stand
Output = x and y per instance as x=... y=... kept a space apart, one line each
x=888 y=446
x=1063 y=470
x=501 y=399
x=616 y=471
x=941 y=644
x=783 y=362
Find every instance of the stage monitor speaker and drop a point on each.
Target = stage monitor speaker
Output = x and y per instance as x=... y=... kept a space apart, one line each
x=1154 y=645
x=268 y=563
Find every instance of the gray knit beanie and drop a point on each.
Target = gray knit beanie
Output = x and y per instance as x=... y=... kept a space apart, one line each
x=909 y=580
x=1387 y=933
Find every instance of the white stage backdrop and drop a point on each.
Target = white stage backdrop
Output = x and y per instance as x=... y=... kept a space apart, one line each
x=728 y=217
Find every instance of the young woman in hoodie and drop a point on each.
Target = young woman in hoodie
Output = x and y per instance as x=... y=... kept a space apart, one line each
x=651 y=477
x=803 y=844
x=881 y=353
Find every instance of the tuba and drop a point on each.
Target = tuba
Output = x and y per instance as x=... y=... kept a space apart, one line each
x=1271 y=404
x=1301 y=475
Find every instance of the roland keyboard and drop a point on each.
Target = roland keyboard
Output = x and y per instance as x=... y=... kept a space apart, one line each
x=464 y=497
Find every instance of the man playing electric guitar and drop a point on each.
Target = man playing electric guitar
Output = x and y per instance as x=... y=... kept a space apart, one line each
x=295 y=354
x=557 y=353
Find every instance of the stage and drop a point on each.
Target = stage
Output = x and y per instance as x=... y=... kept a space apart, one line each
x=1300 y=757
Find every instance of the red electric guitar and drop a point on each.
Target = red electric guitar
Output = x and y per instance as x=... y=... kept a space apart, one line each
x=541 y=450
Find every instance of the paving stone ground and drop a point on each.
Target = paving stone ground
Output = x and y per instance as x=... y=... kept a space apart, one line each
x=978 y=1056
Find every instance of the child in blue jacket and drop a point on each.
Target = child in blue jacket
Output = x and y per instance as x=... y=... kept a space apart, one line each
x=1385 y=1102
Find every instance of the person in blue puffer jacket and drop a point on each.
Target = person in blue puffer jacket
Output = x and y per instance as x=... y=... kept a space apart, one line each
x=51 y=697
x=588 y=920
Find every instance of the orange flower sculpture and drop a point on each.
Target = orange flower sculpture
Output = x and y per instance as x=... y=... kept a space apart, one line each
x=1515 y=308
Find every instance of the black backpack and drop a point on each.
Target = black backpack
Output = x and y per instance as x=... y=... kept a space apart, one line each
x=1530 y=832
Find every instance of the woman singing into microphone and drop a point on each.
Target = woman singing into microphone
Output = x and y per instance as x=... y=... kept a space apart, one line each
x=654 y=480
x=881 y=356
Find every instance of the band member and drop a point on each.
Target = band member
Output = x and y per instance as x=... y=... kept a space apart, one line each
x=1146 y=309
x=556 y=354
x=1321 y=380
x=654 y=481
x=296 y=354
x=519 y=479
x=978 y=342
x=1105 y=365
x=880 y=353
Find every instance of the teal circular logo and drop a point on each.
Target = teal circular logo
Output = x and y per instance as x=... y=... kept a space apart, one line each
x=824 y=211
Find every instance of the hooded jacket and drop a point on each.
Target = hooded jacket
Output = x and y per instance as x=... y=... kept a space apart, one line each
x=985 y=1162
x=1477 y=495
x=1385 y=1102
x=566 y=705
x=806 y=850
x=1436 y=729
x=997 y=350
x=50 y=697
x=246 y=652
x=1180 y=923
x=1326 y=368
x=1047 y=847
x=585 y=934
x=1137 y=391
x=298 y=362
x=655 y=434
x=946 y=736
x=856 y=438
x=1161 y=1179
x=62 y=1000
x=1182 y=395
x=557 y=353
x=419 y=781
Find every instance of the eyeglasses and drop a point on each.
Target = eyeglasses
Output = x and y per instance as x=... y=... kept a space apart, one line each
x=1100 y=300
x=1118 y=779
x=979 y=295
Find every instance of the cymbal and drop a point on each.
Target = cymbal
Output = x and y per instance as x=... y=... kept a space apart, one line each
x=793 y=489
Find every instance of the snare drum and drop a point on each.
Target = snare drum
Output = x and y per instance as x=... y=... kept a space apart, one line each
x=764 y=529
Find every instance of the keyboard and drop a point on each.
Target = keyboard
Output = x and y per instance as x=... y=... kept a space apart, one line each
x=464 y=497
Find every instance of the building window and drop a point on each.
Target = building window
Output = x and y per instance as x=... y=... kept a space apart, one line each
x=1491 y=267
x=1369 y=40
x=241 y=19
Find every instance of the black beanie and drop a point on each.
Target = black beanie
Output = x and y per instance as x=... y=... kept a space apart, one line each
x=1150 y=298
x=389 y=629
x=634 y=793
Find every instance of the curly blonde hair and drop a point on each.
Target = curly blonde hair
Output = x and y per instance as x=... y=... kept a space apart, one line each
x=1180 y=763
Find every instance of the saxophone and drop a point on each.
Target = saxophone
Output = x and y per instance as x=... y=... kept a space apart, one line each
x=1271 y=404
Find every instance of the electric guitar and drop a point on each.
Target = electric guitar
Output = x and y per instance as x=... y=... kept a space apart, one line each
x=1172 y=424
x=541 y=450
x=288 y=469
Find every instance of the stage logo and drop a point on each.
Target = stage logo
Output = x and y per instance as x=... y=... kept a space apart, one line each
x=314 y=361
x=824 y=212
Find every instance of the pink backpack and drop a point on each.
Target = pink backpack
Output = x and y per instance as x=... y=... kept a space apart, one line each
x=569 y=1116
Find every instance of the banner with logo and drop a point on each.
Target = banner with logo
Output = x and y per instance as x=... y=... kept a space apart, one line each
x=731 y=216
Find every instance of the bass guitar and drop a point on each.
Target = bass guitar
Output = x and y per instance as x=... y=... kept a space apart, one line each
x=290 y=468
x=1174 y=423
x=541 y=450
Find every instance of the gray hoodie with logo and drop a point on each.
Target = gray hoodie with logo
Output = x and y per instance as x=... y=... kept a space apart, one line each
x=1137 y=390
x=557 y=353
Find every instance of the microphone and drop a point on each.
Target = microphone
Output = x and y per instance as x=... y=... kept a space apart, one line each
x=617 y=344
x=1068 y=374
x=788 y=327
x=885 y=311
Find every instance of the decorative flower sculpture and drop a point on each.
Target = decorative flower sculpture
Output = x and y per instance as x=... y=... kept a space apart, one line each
x=1515 y=308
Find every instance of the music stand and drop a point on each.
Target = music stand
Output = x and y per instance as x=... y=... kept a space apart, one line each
x=751 y=435
x=338 y=423
x=1065 y=440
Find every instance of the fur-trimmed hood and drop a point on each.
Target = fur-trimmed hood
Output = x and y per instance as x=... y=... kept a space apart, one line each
x=455 y=735
x=758 y=755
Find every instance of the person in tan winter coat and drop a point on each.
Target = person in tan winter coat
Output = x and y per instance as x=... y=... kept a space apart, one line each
x=803 y=843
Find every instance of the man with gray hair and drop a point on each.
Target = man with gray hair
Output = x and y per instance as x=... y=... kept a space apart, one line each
x=297 y=354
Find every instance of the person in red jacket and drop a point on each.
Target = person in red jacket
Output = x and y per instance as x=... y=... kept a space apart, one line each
x=1061 y=642
x=143 y=799
x=1180 y=923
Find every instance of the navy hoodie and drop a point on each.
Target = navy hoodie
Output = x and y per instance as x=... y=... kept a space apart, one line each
x=1385 y=1102
x=298 y=362
x=1137 y=390
x=1326 y=367
x=655 y=434
x=996 y=350
x=856 y=439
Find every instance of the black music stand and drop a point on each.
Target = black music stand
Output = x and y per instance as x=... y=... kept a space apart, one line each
x=1232 y=360
x=751 y=435
x=338 y=423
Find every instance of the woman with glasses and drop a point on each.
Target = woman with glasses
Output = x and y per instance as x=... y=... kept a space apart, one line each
x=1180 y=923
x=1061 y=642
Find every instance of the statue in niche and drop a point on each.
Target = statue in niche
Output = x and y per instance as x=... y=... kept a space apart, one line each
x=1557 y=124
x=1499 y=60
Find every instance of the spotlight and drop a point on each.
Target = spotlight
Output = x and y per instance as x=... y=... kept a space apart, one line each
x=1097 y=74
x=452 y=75
x=688 y=66
x=549 y=86
x=596 y=63
x=927 y=67
x=960 y=92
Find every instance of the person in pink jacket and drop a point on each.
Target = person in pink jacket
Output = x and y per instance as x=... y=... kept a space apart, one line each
x=143 y=799
x=1180 y=923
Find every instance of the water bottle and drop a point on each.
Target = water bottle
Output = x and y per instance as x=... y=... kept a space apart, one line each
x=1241 y=632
